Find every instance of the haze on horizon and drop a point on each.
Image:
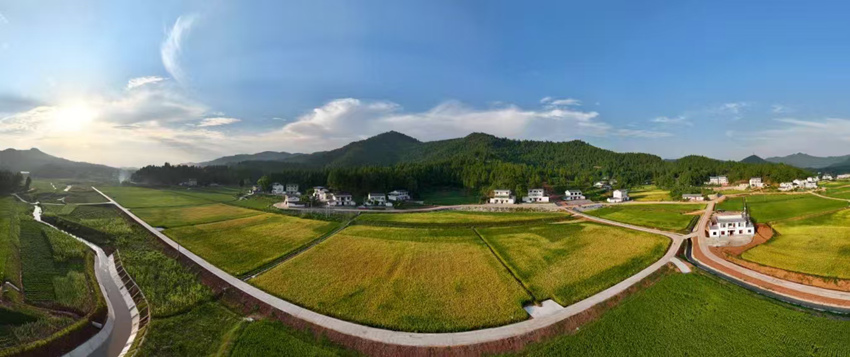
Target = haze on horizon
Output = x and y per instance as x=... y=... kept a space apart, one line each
x=129 y=84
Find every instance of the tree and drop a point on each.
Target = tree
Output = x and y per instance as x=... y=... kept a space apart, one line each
x=27 y=185
x=265 y=183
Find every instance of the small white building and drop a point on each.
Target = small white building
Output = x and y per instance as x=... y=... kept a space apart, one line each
x=398 y=195
x=189 y=183
x=718 y=180
x=756 y=182
x=827 y=177
x=786 y=186
x=573 y=195
x=842 y=177
x=291 y=200
x=340 y=199
x=799 y=183
x=535 y=195
x=278 y=189
x=292 y=189
x=503 y=197
x=725 y=224
x=620 y=195
x=693 y=197
x=377 y=199
x=812 y=179
x=321 y=194
x=810 y=185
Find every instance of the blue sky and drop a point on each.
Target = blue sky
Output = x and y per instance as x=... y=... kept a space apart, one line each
x=133 y=83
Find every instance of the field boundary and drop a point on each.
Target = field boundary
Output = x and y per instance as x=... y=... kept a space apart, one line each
x=519 y=281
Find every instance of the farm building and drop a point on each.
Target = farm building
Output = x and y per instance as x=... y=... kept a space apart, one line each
x=573 y=195
x=398 y=195
x=787 y=186
x=377 y=199
x=619 y=196
x=503 y=197
x=718 y=180
x=535 y=195
x=756 y=182
x=292 y=189
x=812 y=179
x=321 y=194
x=291 y=200
x=693 y=197
x=842 y=177
x=827 y=177
x=278 y=189
x=810 y=185
x=340 y=199
x=725 y=224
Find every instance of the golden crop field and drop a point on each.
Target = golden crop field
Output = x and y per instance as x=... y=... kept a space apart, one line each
x=817 y=245
x=241 y=245
x=424 y=280
x=170 y=217
x=569 y=262
x=459 y=217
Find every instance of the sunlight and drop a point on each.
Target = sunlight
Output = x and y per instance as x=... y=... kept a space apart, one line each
x=73 y=117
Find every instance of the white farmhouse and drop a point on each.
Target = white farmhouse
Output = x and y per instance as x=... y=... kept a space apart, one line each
x=321 y=194
x=573 y=195
x=799 y=183
x=827 y=177
x=340 y=199
x=693 y=197
x=786 y=186
x=756 y=182
x=292 y=189
x=619 y=196
x=377 y=199
x=535 y=195
x=812 y=179
x=291 y=200
x=810 y=185
x=398 y=195
x=278 y=189
x=503 y=197
x=718 y=180
x=724 y=224
x=842 y=177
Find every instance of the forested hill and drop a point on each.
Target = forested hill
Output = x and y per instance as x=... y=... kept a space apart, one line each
x=42 y=165
x=235 y=159
x=809 y=161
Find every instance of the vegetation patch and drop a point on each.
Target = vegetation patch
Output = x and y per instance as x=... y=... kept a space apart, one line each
x=669 y=217
x=459 y=218
x=170 y=217
x=240 y=245
x=140 y=197
x=424 y=280
x=772 y=208
x=198 y=332
x=569 y=262
x=649 y=193
x=817 y=245
x=273 y=338
x=687 y=314
x=450 y=197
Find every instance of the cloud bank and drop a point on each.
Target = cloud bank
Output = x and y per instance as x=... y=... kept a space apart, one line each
x=172 y=46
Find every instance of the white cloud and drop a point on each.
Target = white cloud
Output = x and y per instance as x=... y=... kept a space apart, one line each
x=648 y=134
x=565 y=102
x=140 y=81
x=672 y=120
x=219 y=121
x=3 y=19
x=824 y=137
x=30 y=120
x=172 y=46
x=545 y=100
x=778 y=109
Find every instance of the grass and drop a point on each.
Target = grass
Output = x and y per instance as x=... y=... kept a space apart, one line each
x=450 y=197
x=241 y=245
x=37 y=264
x=170 y=217
x=669 y=217
x=139 y=197
x=842 y=192
x=257 y=201
x=212 y=194
x=569 y=262
x=10 y=264
x=198 y=332
x=424 y=280
x=817 y=245
x=694 y=314
x=649 y=193
x=273 y=338
x=457 y=217
x=772 y=208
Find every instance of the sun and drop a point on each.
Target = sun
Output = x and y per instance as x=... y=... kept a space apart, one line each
x=73 y=117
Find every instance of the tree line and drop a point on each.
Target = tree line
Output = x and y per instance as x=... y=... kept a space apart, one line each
x=13 y=182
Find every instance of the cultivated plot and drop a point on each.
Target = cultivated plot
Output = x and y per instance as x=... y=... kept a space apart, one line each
x=569 y=262
x=771 y=208
x=241 y=245
x=139 y=197
x=425 y=280
x=459 y=217
x=170 y=217
x=649 y=193
x=669 y=217
x=817 y=245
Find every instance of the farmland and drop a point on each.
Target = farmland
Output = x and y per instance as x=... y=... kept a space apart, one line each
x=771 y=208
x=424 y=280
x=138 y=197
x=458 y=218
x=688 y=314
x=449 y=197
x=240 y=245
x=273 y=338
x=817 y=245
x=568 y=262
x=842 y=191
x=669 y=217
x=649 y=193
x=170 y=217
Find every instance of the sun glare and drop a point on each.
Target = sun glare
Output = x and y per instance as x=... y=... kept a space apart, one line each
x=74 y=117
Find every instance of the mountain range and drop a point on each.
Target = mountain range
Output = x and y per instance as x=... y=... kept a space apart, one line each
x=823 y=163
x=43 y=165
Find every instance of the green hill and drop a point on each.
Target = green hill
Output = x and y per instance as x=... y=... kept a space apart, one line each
x=754 y=159
x=42 y=165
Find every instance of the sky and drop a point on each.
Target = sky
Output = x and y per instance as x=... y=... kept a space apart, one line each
x=131 y=83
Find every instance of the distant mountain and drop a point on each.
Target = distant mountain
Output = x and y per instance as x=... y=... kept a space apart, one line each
x=42 y=165
x=262 y=156
x=753 y=159
x=808 y=161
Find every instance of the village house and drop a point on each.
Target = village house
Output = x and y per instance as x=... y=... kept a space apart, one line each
x=321 y=194
x=377 y=199
x=291 y=200
x=292 y=189
x=189 y=183
x=718 y=180
x=693 y=197
x=573 y=195
x=502 y=197
x=340 y=199
x=620 y=195
x=278 y=189
x=810 y=185
x=812 y=179
x=799 y=183
x=724 y=224
x=786 y=186
x=755 y=182
x=535 y=195
x=827 y=177
x=842 y=177
x=602 y=184
x=398 y=195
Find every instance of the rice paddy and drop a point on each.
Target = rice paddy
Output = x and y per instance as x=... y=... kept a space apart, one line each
x=139 y=197
x=649 y=193
x=668 y=217
x=425 y=280
x=459 y=217
x=772 y=208
x=170 y=217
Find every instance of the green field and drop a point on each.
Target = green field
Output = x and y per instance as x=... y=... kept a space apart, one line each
x=170 y=217
x=839 y=192
x=669 y=217
x=649 y=193
x=272 y=338
x=697 y=315
x=569 y=262
x=817 y=245
x=259 y=202
x=241 y=245
x=458 y=217
x=198 y=332
x=771 y=208
x=450 y=197
x=424 y=280
x=138 y=197
x=212 y=194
